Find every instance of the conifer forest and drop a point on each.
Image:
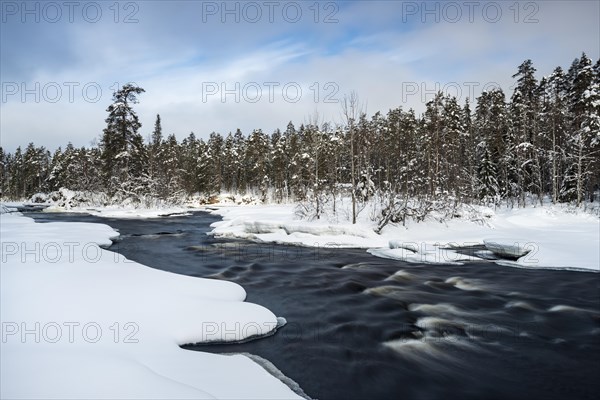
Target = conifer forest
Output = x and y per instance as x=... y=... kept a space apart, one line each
x=540 y=141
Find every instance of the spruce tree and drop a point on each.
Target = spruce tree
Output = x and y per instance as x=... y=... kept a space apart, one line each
x=155 y=159
x=584 y=141
x=488 y=184
x=524 y=123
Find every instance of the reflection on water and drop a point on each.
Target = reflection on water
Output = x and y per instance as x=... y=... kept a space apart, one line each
x=363 y=327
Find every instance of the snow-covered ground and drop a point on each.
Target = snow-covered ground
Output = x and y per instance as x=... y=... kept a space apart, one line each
x=82 y=322
x=127 y=212
x=552 y=236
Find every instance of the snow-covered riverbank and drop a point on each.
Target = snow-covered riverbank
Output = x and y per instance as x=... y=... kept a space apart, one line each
x=82 y=322
x=552 y=236
x=556 y=237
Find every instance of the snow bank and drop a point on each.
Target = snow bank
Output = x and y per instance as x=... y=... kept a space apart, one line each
x=129 y=212
x=123 y=211
x=82 y=322
x=542 y=237
x=278 y=224
x=100 y=204
x=118 y=206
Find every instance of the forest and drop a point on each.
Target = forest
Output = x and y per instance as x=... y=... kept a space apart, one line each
x=540 y=142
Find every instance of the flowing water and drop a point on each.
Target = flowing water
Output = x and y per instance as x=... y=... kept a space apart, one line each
x=361 y=327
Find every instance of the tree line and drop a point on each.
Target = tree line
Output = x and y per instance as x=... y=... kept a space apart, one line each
x=541 y=142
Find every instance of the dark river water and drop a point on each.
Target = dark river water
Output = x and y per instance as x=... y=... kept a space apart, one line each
x=361 y=327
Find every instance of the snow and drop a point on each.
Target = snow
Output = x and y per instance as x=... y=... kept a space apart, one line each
x=278 y=224
x=82 y=322
x=551 y=236
x=127 y=212
x=10 y=206
x=508 y=247
x=99 y=204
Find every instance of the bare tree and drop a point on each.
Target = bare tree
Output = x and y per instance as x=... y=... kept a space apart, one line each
x=350 y=112
x=314 y=125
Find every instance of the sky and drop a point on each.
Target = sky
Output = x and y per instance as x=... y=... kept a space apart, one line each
x=222 y=65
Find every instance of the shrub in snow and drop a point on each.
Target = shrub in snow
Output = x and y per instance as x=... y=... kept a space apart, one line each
x=315 y=206
x=225 y=198
x=70 y=199
x=38 y=198
x=365 y=188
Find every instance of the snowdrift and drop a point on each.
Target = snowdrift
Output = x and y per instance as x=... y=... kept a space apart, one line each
x=82 y=322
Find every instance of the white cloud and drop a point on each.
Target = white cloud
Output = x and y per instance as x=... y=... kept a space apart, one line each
x=371 y=50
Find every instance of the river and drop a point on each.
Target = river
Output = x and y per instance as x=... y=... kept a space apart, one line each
x=362 y=327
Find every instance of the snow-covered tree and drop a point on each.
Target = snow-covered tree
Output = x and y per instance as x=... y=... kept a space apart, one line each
x=121 y=143
x=583 y=143
x=488 y=183
x=351 y=110
x=553 y=121
x=279 y=165
x=258 y=162
x=524 y=109
x=545 y=141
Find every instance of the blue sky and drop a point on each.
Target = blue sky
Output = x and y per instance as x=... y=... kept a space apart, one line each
x=60 y=62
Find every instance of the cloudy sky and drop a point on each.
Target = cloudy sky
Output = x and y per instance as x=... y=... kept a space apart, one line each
x=218 y=66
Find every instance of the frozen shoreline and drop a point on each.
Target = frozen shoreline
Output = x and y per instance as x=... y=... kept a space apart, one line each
x=551 y=236
x=73 y=284
x=82 y=322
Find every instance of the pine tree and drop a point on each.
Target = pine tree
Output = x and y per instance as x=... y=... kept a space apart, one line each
x=294 y=163
x=488 y=184
x=36 y=164
x=17 y=176
x=491 y=130
x=157 y=137
x=189 y=150
x=228 y=161
x=155 y=162
x=468 y=142
x=553 y=120
x=279 y=165
x=89 y=169
x=239 y=149
x=121 y=142
x=524 y=123
x=545 y=141
x=171 y=163
x=257 y=159
x=215 y=147
x=204 y=169
x=583 y=143
x=454 y=181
